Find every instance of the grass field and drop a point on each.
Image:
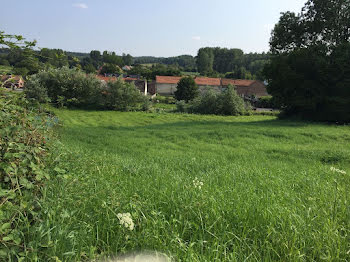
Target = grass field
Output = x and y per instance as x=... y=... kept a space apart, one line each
x=198 y=188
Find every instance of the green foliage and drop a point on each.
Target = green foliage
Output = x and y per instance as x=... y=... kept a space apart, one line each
x=309 y=73
x=210 y=102
x=206 y=103
x=320 y=23
x=164 y=99
x=121 y=96
x=312 y=84
x=112 y=58
x=110 y=69
x=127 y=59
x=232 y=62
x=205 y=60
x=230 y=103
x=186 y=89
x=89 y=69
x=56 y=58
x=266 y=102
x=24 y=136
x=181 y=106
x=150 y=72
x=186 y=62
x=65 y=87
x=4 y=70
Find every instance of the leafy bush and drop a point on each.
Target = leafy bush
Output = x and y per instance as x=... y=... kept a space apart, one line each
x=120 y=95
x=65 y=87
x=24 y=134
x=266 y=102
x=111 y=69
x=181 y=106
x=146 y=105
x=206 y=103
x=209 y=102
x=72 y=88
x=230 y=103
x=164 y=99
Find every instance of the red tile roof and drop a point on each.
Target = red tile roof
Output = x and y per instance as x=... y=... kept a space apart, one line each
x=167 y=79
x=202 y=81
x=106 y=78
x=206 y=81
x=236 y=82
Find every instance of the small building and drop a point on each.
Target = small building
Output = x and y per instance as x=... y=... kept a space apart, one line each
x=13 y=82
x=246 y=88
x=205 y=82
x=167 y=85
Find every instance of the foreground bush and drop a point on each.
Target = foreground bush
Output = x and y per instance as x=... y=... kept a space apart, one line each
x=24 y=133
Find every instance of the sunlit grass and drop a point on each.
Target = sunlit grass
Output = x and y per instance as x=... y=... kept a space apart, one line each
x=198 y=188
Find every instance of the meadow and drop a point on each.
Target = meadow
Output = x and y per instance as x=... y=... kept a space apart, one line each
x=197 y=188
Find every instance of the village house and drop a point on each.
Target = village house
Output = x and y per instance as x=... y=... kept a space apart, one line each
x=13 y=82
x=142 y=85
x=246 y=88
x=166 y=85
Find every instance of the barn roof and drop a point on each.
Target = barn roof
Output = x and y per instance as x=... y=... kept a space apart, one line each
x=207 y=81
x=236 y=82
x=168 y=79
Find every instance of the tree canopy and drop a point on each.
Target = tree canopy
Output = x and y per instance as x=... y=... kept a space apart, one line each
x=187 y=89
x=309 y=72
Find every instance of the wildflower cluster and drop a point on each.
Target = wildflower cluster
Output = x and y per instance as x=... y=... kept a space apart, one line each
x=125 y=219
x=197 y=183
x=338 y=170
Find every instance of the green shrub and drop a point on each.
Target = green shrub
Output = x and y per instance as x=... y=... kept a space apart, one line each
x=181 y=106
x=24 y=135
x=65 y=87
x=230 y=103
x=164 y=99
x=122 y=96
x=266 y=102
x=210 y=102
x=146 y=105
x=206 y=103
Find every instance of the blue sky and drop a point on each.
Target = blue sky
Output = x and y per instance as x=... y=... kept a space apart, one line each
x=145 y=27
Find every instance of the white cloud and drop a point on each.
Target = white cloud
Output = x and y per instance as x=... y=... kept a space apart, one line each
x=81 y=5
x=196 y=38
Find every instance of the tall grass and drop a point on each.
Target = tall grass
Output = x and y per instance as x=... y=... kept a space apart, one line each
x=198 y=188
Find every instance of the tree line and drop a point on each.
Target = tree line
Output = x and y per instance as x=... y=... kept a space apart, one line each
x=214 y=62
x=231 y=63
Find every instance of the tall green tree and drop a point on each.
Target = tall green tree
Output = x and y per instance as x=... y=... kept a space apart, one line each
x=205 y=60
x=308 y=73
x=321 y=22
x=187 y=89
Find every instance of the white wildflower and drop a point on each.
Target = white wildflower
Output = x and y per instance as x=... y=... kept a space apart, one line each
x=197 y=183
x=125 y=219
x=338 y=170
